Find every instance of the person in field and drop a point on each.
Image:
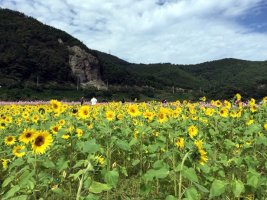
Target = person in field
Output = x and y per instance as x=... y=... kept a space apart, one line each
x=82 y=101
x=93 y=101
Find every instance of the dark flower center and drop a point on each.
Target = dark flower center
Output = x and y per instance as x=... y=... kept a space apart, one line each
x=39 y=141
x=28 y=135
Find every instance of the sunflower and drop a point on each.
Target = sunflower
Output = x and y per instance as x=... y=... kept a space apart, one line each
x=224 y=112
x=209 y=111
x=8 y=120
x=192 y=131
x=79 y=132
x=35 y=118
x=253 y=108
x=84 y=112
x=41 y=142
x=218 y=103
x=9 y=140
x=249 y=122
x=162 y=117
x=27 y=136
x=18 y=151
x=265 y=126
x=199 y=144
x=110 y=115
x=238 y=97
x=148 y=115
x=55 y=105
x=180 y=143
x=55 y=129
x=2 y=125
x=133 y=110
x=4 y=163
x=65 y=136
x=119 y=116
x=203 y=156
x=62 y=122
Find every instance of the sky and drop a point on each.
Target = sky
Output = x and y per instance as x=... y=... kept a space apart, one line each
x=159 y=31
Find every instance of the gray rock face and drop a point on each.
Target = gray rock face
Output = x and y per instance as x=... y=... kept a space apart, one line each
x=85 y=67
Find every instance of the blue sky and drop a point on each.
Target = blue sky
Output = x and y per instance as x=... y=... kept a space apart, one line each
x=152 y=31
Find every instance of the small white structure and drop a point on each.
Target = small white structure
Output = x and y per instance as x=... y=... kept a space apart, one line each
x=93 y=101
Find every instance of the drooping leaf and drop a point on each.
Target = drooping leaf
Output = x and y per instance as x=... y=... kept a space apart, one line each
x=97 y=187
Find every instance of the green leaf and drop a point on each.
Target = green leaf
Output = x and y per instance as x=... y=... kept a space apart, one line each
x=91 y=197
x=79 y=163
x=170 y=197
x=24 y=178
x=190 y=174
x=123 y=171
x=238 y=188
x=217 y=188
x=112 y=177
x=191 y=193
x=201 y=188
x=8 y=180
x=133 y=142
x=90 y=146
x=48 y=164
x=252 y=180
x=21 y=197
x=135 y=162
x=57 y=191
x=122 y=144
x=76 y=175
x=97 y=187
x=159 y=164
x=62 y=164
x=18 y=162
x=11 y=192
x=159 y=173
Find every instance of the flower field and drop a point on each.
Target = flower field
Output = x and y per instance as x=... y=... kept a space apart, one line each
x=179 y=150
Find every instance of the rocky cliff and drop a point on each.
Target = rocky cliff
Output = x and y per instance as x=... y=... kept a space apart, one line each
x=85 y=67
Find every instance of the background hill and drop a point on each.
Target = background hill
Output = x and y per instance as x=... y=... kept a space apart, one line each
x=35 y=64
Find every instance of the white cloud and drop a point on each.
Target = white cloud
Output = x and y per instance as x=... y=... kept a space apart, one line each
x=178 y=31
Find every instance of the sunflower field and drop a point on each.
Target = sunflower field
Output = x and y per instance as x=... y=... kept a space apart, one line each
x=179 y=150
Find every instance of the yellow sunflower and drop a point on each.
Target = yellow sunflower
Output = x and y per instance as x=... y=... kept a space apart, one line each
x=133 y=110
x=9 y=140
x=18 y=151
x=4 y=163
x=41 y=142
x=84 y=112
x=148 y=115
x=110 y=115
x=65 y=136
x=203 y=156
x=79 y=132
x=27 y=136
x=180 y=143
x=199 y=144
x=238 y=97
x=55 y=129
x=224 y=112
x=192 y=131
x=56 y=105
x=35 y=118
x=162 y=117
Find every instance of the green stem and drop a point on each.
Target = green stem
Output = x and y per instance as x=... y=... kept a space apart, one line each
x=89 y=166
x=175 y=175
x=181 y=178
x=35 y=175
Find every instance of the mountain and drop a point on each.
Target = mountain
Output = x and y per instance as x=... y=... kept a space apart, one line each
x=37 y=60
